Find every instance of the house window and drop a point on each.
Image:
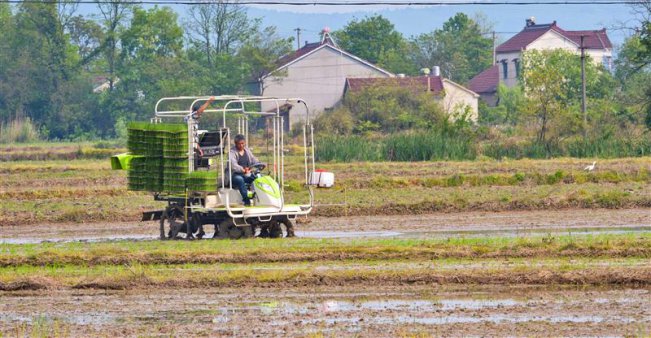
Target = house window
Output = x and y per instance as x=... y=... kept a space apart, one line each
x=606 y=61
x=505 y=68
x=516 y=62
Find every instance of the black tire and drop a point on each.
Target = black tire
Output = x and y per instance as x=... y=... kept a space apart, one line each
x=171 y=222
x=227 y=229
x=281 y=229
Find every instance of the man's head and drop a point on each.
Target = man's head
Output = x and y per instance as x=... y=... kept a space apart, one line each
x=240 y=141
x=196 y=107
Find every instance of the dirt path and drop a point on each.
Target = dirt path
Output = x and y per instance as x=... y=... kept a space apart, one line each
x=516 y=223
x=369 y=312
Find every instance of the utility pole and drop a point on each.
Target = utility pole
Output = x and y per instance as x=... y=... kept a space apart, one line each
x=298 y=37
x=583 y=98
x=494 y=48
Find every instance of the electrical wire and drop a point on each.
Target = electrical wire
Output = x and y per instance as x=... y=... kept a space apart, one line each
x=347 y=3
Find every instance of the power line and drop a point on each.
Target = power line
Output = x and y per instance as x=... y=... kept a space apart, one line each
x=348 y=3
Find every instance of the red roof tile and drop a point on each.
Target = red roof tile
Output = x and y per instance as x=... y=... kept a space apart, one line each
x=486 y=81
x=594 y=39
x=304 y=50
x=418 y=82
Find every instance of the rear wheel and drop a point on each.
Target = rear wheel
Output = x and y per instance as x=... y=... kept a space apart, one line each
x=227 y=229
x=281 y=229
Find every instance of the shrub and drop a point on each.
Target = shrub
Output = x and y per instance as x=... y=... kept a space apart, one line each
x=18 y=131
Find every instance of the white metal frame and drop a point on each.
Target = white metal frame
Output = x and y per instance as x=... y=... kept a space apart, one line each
x=278 y=165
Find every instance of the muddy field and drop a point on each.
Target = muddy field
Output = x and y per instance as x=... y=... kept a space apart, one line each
x=465 y=224
x=470 y=248
x=527 y=273
x=375 y=311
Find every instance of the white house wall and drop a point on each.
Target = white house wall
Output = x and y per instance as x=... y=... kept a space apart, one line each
x=548 y=41
x=511 y=76
x=457 y=98
x=319 y=78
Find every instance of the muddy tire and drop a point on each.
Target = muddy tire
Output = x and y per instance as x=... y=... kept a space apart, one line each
x=228 y=230
x=281 y=229
x=171 y=222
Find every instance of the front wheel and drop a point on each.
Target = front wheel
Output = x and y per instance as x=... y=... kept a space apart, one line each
x=172 y=222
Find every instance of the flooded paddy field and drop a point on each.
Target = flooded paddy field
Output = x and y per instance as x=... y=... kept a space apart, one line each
x=440 y=225
x=366 y=311
x=574 y=272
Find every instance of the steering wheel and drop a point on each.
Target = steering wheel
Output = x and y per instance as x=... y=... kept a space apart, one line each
x=258 y=167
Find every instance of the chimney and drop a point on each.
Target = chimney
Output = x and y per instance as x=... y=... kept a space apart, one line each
x=531 y=21
x=436 y=71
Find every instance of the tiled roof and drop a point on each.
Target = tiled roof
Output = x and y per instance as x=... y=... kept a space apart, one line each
x=486 y=81
x=298 y=53
x=304 y=50
x=594 y=39
x=419 y=83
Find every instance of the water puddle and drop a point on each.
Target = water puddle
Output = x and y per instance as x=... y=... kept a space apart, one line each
x=83 y=239
x=366 y=234
x=411 y=311
x=75 y=319
x=347 y=234
x=583 y=231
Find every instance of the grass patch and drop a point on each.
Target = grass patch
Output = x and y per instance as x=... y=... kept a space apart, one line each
x=303 y=250
x=525 y=271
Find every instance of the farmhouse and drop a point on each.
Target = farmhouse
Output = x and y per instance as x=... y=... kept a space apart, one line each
x=508 y=55
x=316 y=72
x=454 y=97
x=319 y=73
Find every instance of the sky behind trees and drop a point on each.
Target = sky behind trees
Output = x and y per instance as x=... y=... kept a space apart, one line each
x=415 y=20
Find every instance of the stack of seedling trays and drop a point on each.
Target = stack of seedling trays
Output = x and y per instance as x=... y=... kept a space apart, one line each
x=163 y=162
x=202 y=181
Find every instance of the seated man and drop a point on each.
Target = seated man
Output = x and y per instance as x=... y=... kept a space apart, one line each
x=241 y=161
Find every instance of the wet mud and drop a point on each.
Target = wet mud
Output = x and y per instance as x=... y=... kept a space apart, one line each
x=440 y=225
x=375 y=311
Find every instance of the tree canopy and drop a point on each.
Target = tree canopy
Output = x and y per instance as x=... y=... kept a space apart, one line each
x=459 y=48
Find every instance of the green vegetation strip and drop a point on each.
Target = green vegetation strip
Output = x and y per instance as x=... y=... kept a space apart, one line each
x=503 y=271
x=303 y=250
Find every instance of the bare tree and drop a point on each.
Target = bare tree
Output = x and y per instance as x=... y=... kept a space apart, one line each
x=220 y=27
x=113 y=13
x=66 y=10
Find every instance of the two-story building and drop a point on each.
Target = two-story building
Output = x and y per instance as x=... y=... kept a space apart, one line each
x=534 y=36
x=317 y=73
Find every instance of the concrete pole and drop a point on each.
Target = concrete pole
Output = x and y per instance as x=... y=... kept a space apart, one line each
x=583 y=97
x=494 y=48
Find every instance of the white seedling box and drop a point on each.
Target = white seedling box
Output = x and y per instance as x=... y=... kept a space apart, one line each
x=322 y=179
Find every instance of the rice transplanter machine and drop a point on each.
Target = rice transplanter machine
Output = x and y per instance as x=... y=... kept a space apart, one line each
x=187 y=167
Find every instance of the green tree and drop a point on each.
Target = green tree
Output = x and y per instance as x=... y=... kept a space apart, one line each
x=87 y=35
x=511 y=103
x=392 y=108
x=262 y=52
x=633 y=70
x=40 y=80
x=149 y=65
x=152 y=33
x=376 y=40
x=459 y=48
x=552 y=84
